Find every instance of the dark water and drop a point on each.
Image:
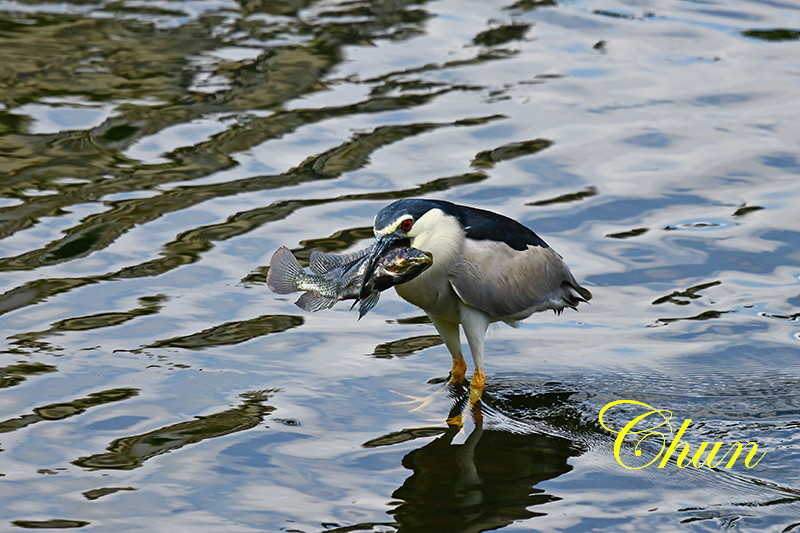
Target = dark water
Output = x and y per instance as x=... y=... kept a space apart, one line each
x=153 y=155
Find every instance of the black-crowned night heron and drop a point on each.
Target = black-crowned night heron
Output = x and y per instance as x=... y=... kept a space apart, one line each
x=486 y=268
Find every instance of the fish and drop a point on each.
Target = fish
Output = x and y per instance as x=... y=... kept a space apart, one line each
x=337 y=277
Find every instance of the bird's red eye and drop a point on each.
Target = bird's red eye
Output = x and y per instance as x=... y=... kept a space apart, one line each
x=406 y=224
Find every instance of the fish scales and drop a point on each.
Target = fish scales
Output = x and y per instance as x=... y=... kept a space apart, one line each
x=340 y=277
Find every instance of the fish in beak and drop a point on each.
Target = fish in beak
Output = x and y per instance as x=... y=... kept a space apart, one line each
x=381 y=245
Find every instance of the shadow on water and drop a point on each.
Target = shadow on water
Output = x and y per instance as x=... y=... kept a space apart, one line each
x=487 y=475
x=473 y=486
x=488 y=479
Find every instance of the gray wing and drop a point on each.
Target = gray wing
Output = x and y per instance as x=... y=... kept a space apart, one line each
x=503 y=282
x=322 y=262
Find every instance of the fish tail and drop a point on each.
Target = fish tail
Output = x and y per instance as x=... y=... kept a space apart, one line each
x=285 y=272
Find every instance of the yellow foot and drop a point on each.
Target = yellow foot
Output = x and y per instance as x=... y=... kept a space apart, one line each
x=451 y=390
x=456 y=417
x=458 y=374
x=476 y=387
x=456 y=382
x=423 y=401
x=457 y=421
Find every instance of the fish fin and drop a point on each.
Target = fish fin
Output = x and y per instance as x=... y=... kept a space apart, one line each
x=368 y=303
x=323 y=262
x=284 y=272
x=314 y=301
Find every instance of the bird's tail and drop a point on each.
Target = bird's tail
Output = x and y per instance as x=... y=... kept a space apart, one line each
x=584 y=292
x=572 y=294
x=285 y=272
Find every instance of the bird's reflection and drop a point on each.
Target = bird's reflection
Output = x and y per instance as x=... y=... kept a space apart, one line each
x=485 y=482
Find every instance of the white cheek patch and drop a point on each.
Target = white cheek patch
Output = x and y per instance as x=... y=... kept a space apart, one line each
x=436 y=231
x=428 y=223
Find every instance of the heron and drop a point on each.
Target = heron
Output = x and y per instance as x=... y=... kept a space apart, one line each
x=486 y=268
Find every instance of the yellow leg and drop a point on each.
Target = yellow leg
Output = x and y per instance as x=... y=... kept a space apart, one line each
x=476 y=386
x=475 y=393
x=477 y=415
x=459 y=371
x=455 y=421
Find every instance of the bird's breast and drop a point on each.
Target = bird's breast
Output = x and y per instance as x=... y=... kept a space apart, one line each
x=431 y=290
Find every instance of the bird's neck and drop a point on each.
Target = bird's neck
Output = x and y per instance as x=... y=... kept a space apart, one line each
x=431 y=290
x=440 y=235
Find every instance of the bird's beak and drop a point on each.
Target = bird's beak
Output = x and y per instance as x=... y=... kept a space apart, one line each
x=382 y=244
